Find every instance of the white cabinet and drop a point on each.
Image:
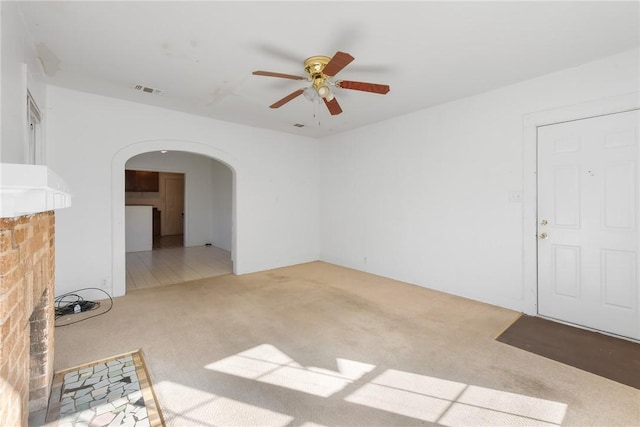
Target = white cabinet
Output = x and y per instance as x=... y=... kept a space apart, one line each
x=138 y=228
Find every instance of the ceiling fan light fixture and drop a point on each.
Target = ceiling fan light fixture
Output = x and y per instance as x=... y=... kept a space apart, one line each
x=311 y=94
x=324 y=91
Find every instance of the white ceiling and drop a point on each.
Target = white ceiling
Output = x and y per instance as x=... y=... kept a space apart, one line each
x=202 y=53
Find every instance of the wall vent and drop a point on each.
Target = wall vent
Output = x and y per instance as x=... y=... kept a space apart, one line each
x=148 y=89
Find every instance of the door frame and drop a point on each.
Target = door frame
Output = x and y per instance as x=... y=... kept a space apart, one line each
x=118 y=162
x=531 y=122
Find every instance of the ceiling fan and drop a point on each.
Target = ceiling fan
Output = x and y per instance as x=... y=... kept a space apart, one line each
x=321 y=70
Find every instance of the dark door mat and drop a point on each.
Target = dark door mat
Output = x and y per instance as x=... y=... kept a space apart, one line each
x=609 y=357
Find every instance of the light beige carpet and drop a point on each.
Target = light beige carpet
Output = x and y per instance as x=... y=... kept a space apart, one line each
x=317 y=344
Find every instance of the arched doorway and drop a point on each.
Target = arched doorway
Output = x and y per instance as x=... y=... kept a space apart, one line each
x=118 y=197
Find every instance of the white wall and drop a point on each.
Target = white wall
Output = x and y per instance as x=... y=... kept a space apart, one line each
x=198 y=192
x=21 y=69
x=221 y=216
x=424 y=198
x=90 y=139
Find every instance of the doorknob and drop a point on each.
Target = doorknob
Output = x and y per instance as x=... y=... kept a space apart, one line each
x=543 y=236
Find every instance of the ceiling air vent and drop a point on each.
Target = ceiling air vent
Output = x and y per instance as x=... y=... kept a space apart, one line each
x=149 y=90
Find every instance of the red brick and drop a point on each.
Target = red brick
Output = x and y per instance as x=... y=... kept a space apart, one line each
x=7 y=223
x=20 y=235
x=27 y=245
x=10 y=299
x=9 y=305
x=28 y=292
x=12 y=278
x=8 y=260
x=6 y=240
x=25 y=219
x=5 y=331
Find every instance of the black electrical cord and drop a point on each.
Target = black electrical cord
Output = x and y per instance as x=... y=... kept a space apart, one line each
x=72 y=303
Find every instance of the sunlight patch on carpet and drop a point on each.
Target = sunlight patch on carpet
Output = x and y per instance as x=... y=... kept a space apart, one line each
x=267 y=364
x=422 y=397
x=451 y=403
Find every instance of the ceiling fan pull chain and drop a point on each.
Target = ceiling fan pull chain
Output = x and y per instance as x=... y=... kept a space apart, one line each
x=316 y=111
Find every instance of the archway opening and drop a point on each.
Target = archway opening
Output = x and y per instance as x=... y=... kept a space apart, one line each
x=209 y=200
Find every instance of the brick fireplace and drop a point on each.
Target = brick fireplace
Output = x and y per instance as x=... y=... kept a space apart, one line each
x=26 y=315
x=28 y=196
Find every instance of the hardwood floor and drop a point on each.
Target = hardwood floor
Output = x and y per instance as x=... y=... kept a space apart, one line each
x=173 y=263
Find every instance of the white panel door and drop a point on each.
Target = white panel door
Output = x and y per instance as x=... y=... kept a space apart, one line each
x=588 y=246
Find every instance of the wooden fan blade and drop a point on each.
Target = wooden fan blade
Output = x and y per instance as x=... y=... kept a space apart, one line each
x=365 y=87
x=333 y=106
x=286 y=99
x=337 y=63
x=281 y=75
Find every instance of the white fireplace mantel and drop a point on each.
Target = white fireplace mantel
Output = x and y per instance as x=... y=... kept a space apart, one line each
x=29 y=189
